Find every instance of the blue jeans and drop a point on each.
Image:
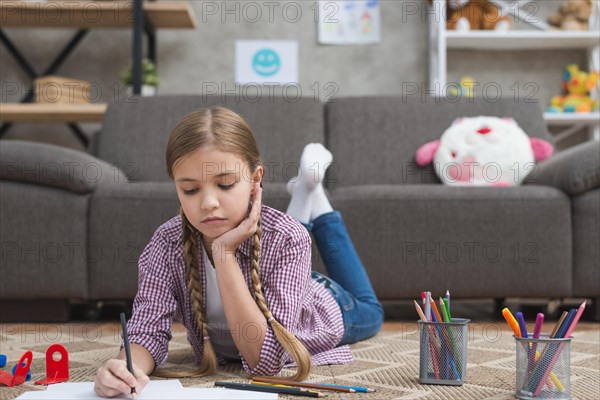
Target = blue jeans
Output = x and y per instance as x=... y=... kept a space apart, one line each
x=348 y=281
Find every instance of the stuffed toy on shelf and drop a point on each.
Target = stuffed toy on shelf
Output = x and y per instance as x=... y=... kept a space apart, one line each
x=465 y=15
x=483 y=151
x=573 y=15
x=577 y=86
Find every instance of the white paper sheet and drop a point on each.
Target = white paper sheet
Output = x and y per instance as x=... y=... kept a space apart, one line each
x=155 y=390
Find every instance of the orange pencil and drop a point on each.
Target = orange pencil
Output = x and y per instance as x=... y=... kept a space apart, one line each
x=435 y=310
x=511 y=321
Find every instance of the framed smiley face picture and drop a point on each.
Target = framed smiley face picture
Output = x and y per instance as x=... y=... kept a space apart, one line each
x=266 y=62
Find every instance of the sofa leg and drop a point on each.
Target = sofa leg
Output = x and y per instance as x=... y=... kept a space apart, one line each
x=595 y=314
x=93 y=310
x=498 y=306
x=34 y=310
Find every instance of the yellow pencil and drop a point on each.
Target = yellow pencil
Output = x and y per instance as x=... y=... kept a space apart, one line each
x=278 y=385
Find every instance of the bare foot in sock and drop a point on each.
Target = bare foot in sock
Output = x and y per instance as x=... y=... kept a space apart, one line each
x=308 y=197
x=314 y=161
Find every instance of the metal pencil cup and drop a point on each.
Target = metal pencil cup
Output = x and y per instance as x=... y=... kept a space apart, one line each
x=443 y=352
x=543 y=368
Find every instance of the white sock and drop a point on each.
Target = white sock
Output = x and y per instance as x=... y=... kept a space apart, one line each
x=314 y=161
x=320 y=203
x=301 y=202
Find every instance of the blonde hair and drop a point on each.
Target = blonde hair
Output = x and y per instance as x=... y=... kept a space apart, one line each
x=227 y=131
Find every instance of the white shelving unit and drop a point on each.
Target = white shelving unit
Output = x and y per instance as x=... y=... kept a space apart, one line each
x=442 y=40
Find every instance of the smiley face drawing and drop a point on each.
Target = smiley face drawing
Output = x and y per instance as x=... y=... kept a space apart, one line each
x=266 y=62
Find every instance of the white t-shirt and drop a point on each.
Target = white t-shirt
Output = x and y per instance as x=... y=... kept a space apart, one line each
x=218 y=330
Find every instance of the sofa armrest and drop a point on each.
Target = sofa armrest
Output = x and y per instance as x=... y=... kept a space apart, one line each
x=575 y=170
x=55 y=166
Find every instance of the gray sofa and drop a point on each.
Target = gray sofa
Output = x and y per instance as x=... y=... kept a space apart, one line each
x=73 y=224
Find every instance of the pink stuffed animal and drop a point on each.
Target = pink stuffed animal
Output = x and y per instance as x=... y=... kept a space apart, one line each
x=483 y=151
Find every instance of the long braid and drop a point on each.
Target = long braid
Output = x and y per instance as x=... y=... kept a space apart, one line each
x=208 y=365
x=289 y=342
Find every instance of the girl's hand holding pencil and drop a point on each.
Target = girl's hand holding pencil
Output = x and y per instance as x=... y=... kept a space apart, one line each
x=113 y=379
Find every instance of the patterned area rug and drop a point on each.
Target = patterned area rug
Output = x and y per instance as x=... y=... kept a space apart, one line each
x=388 y=362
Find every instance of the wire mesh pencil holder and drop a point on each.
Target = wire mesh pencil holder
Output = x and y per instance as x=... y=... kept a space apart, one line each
x=543 y=368
x=443 y=352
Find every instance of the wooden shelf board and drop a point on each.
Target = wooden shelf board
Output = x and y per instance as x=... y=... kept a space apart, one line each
x=37 y=112
x=93 y=14
x=522 y=40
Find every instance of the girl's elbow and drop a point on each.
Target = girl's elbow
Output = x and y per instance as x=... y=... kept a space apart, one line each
x=265 y=368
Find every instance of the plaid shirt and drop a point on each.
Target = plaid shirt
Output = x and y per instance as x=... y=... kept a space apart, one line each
x=300 y=304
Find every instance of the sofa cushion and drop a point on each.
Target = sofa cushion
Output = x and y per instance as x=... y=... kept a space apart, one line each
x=55 y=166
x=122 y=221
x=44 y=242
x=134 y=135
x=575 y=170
x=386 y=132
x=586 y=252
x=477 y=242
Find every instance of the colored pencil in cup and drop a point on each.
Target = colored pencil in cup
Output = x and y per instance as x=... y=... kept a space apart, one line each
x=514 y=324
x=559 y=323
x=539 y=321
x=511 y=321
x=554 y=357
x=446 y=317
x=432 y=348
x=444 y=337
x=428 y=305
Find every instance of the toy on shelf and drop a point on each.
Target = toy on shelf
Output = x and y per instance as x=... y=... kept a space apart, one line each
x=577 y=86
x=21 y=371
x=466 y=15
x=483 y=151
x=56 y=371
x=465 y=88
x=573 y=15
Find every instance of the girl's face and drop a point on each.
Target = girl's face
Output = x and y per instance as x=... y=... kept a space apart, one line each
x=214 y=189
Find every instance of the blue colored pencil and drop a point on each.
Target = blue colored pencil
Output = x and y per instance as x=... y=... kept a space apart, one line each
x=357 y=388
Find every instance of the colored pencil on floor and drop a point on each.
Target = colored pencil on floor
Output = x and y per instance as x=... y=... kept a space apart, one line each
x=267 y=389
x=309 y=385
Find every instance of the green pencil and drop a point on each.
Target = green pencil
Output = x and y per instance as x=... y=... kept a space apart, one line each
x=446 y=318
x=447 y=304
